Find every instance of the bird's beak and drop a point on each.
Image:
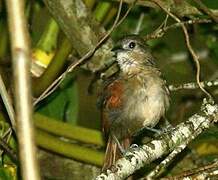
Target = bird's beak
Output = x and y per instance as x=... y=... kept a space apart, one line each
x=117 y=48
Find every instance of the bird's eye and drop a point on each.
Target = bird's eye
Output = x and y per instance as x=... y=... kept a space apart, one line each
x=131 y=45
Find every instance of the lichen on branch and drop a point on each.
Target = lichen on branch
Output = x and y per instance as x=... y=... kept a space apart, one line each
x=137 y=157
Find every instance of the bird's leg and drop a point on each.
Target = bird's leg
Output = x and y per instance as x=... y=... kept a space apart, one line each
x=166 y=127
x=122 y=150
x=157 y=131
x=167 y=123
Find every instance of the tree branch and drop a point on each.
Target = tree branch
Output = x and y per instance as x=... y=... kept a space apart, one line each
x=4 y=145
x=188 y=44
x=136 y=158
x=193 y=85
x=8 y=103
x=161 y=31
x=81 y=29
x=22 y=90
x=197 y=173
x=90 y=53
x=206 y=10
x=181 y=8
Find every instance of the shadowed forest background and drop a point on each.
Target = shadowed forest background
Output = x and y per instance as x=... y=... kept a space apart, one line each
x=68 y=126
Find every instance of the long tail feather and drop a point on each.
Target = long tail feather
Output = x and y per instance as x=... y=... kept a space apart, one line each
x=113 y=152
x=110 y=154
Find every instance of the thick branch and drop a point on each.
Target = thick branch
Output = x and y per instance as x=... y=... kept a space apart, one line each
x=166 y=143
x=82 y=30
x=180 y=8
x=22 y=90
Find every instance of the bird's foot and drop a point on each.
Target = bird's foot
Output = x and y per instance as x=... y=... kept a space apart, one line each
x=168 y=128
x=156 y=131
x=165 y=130
x=132 y=148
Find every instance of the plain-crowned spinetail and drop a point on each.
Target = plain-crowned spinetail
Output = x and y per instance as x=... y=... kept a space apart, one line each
x=134 y=98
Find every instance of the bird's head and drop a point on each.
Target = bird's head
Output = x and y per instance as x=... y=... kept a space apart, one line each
x=132 y=54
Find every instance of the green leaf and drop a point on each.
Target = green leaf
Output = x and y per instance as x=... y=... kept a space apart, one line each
x=63 y=104
x=8 y=173
x=211 y=4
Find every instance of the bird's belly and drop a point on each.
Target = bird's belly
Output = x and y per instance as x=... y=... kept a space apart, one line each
x=152 y=110
x=142 y=109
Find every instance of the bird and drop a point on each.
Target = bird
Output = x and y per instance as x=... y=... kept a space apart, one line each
x=133 y=99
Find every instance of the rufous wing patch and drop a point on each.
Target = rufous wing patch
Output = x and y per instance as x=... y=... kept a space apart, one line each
x=114 y=91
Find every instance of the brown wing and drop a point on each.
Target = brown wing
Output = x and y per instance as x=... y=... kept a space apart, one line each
x=112 y=108
x=114 y=91
x=112 y=103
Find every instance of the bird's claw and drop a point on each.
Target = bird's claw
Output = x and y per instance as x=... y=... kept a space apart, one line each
x=133 y=146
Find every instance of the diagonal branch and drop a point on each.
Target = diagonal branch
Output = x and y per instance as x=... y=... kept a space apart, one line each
x=8 y=103
x=90 y=53
x=76 y=21
x=166 y=143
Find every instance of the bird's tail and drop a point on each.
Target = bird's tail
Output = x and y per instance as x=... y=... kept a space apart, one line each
x=113 y=153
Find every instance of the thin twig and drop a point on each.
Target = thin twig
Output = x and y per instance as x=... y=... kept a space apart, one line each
x=193 y=85
x=191 y=50
x=162 y=25
x=139 y=24
x=209 y=167
x=8 y=103
x=8 y=150
x=57 y=82
x=206 y=10
x=6 y=135
x=126 y=14
x=161 y=31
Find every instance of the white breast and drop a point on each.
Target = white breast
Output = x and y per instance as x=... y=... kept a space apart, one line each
x=147 y=104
